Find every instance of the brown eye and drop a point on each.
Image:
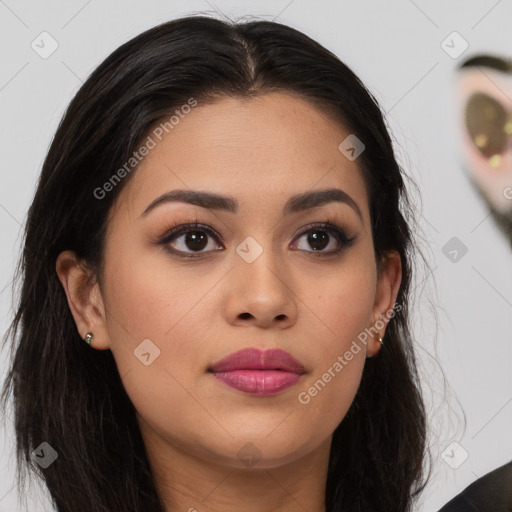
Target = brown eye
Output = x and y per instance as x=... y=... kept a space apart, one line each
x=318 y=239
x=190 y=240
x=322 y=236
x=488 y=126
x=196 y=240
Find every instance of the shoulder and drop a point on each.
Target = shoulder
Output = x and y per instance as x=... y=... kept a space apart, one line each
x=490 y=493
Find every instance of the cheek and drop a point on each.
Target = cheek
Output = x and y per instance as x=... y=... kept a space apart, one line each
x=347 y=310
x=157 y=323
x=157 y=318
x=146 y=297
x=346 y=307
x=326 y=397
x=346 y=304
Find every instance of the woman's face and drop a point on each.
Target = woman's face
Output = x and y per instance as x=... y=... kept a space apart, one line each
x=252 y=276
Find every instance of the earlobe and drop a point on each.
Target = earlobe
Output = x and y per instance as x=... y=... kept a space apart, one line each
x=388 y=284
x=84 y=298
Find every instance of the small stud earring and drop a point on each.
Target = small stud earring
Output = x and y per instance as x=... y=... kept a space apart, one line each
x=381 y=342
x=88 y=338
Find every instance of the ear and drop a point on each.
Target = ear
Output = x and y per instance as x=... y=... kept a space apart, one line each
x=388 y=283
x=84 y=298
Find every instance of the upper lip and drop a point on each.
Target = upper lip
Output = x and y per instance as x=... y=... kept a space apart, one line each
x=256 y=359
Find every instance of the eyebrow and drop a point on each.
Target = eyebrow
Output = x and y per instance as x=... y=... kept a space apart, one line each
x=295 y=204
x=489 y=61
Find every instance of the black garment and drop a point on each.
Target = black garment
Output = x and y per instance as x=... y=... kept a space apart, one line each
x=490 y=493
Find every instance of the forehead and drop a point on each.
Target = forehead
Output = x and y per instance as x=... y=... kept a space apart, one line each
x=261 y=150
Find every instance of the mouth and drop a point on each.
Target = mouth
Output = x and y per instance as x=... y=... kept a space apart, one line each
x=258 y=372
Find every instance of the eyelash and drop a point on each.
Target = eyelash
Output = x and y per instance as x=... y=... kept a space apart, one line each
x=193 y=225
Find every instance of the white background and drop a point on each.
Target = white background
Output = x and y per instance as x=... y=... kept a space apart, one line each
x=395 y=48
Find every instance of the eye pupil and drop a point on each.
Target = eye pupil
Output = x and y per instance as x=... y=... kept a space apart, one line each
x=196 y=240
x=315 y=238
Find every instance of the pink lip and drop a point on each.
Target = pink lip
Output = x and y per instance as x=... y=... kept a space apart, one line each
x=259 y=372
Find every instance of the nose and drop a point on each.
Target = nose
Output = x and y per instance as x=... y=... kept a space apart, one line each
x=260 y=294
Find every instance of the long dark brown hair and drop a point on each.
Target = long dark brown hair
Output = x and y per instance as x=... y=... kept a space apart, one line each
x=378 y=454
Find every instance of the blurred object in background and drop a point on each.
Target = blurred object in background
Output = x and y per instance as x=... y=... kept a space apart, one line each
x=484 y=110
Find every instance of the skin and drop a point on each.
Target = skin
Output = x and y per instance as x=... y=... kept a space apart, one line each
x=197 y=311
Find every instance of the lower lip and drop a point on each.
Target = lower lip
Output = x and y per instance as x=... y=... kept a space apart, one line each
x=259 y=382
